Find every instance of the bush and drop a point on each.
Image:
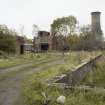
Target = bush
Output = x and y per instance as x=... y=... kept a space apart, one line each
x=8 y=42
x=3 y=54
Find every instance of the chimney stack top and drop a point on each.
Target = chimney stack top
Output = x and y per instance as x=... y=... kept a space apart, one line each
x=96 y=12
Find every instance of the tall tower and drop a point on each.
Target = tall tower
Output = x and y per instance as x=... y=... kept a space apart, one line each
x=96 y=29
x=95 y=23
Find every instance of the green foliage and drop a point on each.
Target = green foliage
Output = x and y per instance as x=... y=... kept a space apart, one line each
x=83 y=41
x=84 y=98
x=90 y=40
x=36 y=83
x=26 y=58
x=60 y=28
x=64 y=25
x=74 y=42
x=73 y=97
x=97 y=76
x=64 y=34
x=86 y=40
x=8 y=42
x=34 y=95
x=3 y=55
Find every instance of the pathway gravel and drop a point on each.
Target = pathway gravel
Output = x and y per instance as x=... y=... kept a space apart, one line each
x=10 y=87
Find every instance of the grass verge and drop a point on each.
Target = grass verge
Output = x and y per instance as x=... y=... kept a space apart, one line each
x=22 y=59
x=36 y=84
x=97 y=76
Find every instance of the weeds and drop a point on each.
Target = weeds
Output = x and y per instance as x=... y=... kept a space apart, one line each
x=97 y=76
x=36 y=84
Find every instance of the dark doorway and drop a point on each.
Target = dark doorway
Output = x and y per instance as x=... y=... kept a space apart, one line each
x=21 y=49
x=44 y=46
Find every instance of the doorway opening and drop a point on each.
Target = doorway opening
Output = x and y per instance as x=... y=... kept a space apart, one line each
x=44 y=46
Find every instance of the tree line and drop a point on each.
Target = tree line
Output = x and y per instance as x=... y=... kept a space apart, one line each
x=66 y=32
x=69 y=35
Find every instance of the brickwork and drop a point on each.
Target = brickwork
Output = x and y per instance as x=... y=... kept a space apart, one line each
x=43 y=41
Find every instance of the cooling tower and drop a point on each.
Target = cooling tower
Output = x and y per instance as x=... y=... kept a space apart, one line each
x=95 y=23
x=96 y=30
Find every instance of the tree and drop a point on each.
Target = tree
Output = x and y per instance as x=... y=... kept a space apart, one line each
x=90 y=40
x=87 y=39
x=64 y=25
x=8 y=42
x=61 y=27
x=74 y=42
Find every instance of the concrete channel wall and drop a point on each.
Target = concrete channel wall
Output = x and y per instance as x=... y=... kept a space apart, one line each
x=76 y=76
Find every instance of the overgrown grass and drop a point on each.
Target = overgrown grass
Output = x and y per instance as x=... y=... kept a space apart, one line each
x=32 y=95
x=22 y=59
x=97 y=76
x=73 y=97
x=16 y=60
x=41 y=64
x=36 y=84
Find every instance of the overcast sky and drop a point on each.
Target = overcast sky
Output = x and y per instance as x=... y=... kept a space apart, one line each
x=15 y=13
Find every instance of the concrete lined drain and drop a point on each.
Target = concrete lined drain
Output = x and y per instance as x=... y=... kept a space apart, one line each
x=74 y=78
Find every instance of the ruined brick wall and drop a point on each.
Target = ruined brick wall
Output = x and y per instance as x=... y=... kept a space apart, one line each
x=44 y=37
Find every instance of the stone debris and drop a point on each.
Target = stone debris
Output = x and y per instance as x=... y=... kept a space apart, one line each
x=61 y=99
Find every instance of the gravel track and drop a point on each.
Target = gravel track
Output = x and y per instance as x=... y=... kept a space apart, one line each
x=10 y=87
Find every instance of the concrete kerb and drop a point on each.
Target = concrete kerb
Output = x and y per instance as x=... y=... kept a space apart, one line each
x=74 y=77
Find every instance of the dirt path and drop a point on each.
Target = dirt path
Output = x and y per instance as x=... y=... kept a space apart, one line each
x=9 y=87
x=25 y=65
x=15 y=68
